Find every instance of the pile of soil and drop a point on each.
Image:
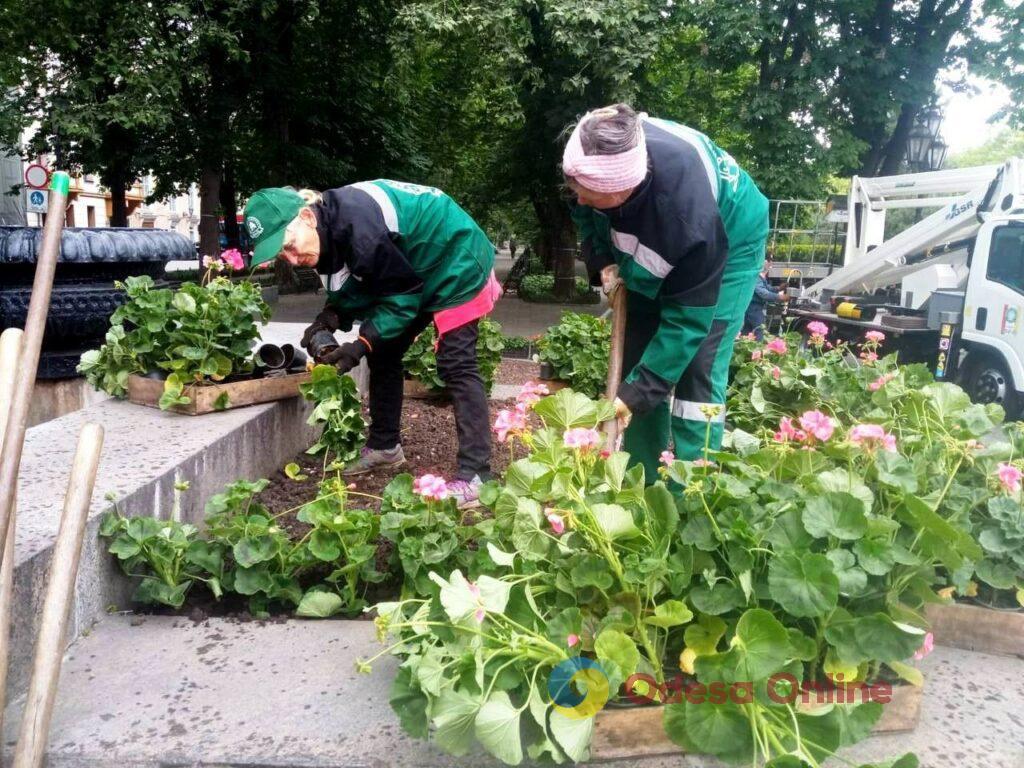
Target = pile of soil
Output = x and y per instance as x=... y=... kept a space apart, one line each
x=517 y=372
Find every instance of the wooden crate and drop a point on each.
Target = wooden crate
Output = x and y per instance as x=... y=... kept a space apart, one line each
x=976 y=628
x=143 y=391
x=637 y=732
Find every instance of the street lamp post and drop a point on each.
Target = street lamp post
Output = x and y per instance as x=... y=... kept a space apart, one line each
x=926 y=151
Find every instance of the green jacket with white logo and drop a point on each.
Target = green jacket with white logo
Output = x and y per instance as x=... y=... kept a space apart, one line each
x=696 y=216
x=391 y=250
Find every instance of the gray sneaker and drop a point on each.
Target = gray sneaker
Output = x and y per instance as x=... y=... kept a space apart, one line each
x=466 y=492
x=371 y=459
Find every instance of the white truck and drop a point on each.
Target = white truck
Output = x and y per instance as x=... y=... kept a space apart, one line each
x=947 y=290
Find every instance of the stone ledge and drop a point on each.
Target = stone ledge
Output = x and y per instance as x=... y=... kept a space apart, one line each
x=145 y=453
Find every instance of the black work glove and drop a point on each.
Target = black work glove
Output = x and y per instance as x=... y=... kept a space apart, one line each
x=327 y=320
x=347 y=356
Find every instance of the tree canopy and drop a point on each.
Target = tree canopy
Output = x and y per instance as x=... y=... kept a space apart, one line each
x=474 y=97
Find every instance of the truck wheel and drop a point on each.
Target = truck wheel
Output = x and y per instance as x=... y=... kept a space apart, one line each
x=987 y=380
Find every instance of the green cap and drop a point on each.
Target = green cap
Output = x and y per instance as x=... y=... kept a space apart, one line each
x=267 y=215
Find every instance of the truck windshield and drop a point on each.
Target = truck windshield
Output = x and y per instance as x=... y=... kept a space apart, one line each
x=1006 y=257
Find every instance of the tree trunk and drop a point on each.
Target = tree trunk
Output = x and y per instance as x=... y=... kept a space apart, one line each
x=209 y=202
x=557 y=242
x=229 y=204
x=896 y=149
x=118 y=206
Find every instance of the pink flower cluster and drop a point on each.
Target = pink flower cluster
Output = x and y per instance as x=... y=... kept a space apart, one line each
x=531 y=393
x=881 y=381
x=581 y=438
x=778 y=346
x=815 y=426
x=926 y=647
x=817 y=328
x=868 y=357
x=431 y=487
x=872 y=436
x=510 y=421
x=876 y=337
x=666 y=458
x=1009 y=477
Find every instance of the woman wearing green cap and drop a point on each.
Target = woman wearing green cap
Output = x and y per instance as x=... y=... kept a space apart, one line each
x=397 y=257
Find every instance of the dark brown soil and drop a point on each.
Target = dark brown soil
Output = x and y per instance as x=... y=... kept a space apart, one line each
x=429 y=443
x=518 y=372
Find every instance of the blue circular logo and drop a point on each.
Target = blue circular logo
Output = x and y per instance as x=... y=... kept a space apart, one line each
x=578 y=687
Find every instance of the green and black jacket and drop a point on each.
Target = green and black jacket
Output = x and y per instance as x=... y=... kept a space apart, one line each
x=673 y=240
x=391 y=250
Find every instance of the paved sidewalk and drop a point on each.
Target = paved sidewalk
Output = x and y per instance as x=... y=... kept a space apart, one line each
x=156 y=691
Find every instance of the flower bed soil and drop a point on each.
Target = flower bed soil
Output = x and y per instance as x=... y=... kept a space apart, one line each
x=517 y=372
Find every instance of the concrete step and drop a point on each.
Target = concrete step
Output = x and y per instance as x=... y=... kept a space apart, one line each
x=143 y=692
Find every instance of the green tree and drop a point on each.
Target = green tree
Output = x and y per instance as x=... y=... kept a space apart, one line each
x=535 y=68
x=1004 y=145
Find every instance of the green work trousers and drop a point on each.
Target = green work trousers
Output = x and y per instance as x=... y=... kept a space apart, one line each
x=705 y=380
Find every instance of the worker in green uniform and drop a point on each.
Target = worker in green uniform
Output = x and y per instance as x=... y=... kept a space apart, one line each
x=670 y=217
x=395 y=256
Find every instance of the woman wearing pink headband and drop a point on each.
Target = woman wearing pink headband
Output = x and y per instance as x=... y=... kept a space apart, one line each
x=668 y=214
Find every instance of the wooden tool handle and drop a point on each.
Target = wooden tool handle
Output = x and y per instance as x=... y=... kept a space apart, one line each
x=618 y=341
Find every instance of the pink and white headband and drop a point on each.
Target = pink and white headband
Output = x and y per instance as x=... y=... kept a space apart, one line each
x=605 y=173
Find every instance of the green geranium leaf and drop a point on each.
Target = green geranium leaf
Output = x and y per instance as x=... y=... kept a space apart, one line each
x=497 y=728
x=325 y=545
x=716 y=600
x=804 y=585
x=671 y=613
x=835 y=513
x=319 y=605
x=617 y=647
x=875 y=556
x=896 y=471
x=841 y=481
x=763 y=644
x=500 y=557
x=592 y=571
x=615 y=521
x=573 y=735
x=409 y=703
x=251 y=550
x=717 y=729
x=788 y=533
x=852 y=580
x=703 y=636
x=454 y=714
x=874 y=637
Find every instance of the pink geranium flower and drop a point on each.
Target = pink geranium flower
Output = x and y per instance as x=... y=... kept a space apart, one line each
x=817 y=424
x=868 y=357
x=875 y=336
x=531 y=393
x=881 y=381
x=556 y=520
x=581 y=438
x=666 y=458
x=926 y=647
x=872 y=436
x=788 y=433
x=778 y=346
x=431 y=487
x=510 y=420
x=817 y=328
x=776 y=372
x=233 y=258
x=480 y=613
x=756 y=354
x=1009 y=477
x=572 y=640
x=703 y=463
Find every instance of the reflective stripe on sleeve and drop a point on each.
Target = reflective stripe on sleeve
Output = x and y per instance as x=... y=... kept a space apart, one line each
x=691 y=410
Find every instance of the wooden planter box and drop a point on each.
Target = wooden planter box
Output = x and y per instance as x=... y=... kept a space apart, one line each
x=144 y=391
x=637 y=731
x=976 y=628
